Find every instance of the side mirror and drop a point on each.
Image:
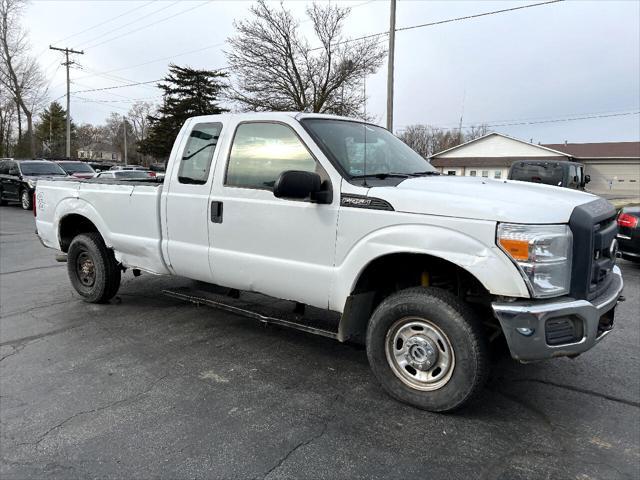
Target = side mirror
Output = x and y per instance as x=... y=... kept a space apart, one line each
x=587 y=179
x=297 y=184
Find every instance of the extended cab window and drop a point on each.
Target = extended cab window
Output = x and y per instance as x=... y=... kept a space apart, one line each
x=262 y=151
x=197 y=155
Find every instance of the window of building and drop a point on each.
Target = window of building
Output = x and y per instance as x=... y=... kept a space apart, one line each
x=262 y=151
x=485 y=173
x=497 y=174
x=451 y=172
x=81 y=154
x=472 y=173
x=114 y=156
x=197 y=155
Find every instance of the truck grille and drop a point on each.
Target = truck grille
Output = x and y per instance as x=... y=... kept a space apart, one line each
x=594 y=229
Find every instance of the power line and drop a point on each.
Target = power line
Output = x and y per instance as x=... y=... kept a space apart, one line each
x=207 y=47
x=105 y=21
x=440 y=22
x=188 y=52
x=135 y=30
x=508 y=123
x=127 y=100
x=118 y=86
x=135 y=20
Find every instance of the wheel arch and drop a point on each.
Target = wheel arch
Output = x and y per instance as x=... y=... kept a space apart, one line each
x=74 y=216
x=72 y=225
x=391 y=272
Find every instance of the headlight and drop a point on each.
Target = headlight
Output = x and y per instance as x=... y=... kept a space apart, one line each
x=31 y=183
x=542 y=253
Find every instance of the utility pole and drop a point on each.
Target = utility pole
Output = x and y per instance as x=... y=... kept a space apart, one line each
x=392 y=46
x=124 y=127
x=67 y=63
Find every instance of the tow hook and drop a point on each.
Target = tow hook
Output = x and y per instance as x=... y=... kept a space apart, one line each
x=61 y=257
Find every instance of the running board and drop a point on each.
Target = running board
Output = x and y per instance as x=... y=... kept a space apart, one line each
x=203 y=298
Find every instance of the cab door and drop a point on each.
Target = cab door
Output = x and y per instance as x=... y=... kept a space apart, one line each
x=276 y=246
x=186 y=200
x=11 y=183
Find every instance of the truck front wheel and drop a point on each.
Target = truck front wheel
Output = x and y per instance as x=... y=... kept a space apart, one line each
x=426 y=348
x=93 y=269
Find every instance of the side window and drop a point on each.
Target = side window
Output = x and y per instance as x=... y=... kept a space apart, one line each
x=13 y=168
x=197 y=154
x=262 y=151
x=4 y=167
x=573 y=176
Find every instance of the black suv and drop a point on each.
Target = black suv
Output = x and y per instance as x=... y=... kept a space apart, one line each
x=561 y=173
x=18 y=179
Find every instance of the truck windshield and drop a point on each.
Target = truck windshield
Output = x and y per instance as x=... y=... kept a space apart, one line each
x=41 y=168
x=542 y=172
x=366 y=150
x=73 y=167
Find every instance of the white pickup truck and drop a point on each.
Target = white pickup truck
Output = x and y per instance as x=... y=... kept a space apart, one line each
x=340 y=215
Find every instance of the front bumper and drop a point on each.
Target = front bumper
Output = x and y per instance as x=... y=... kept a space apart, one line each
x=527 y=324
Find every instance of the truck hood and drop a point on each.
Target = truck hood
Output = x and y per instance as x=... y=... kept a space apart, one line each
x=483 y=199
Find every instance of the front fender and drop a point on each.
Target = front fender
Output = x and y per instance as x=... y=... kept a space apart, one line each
x=484 y=261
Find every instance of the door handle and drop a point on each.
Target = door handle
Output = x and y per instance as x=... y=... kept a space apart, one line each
x=216 y=212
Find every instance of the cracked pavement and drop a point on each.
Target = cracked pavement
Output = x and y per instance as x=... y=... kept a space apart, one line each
x=150 y=387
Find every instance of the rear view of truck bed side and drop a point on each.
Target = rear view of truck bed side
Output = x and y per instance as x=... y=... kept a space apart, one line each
x=129 y=218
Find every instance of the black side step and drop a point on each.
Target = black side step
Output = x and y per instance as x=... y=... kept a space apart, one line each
x=258 y=310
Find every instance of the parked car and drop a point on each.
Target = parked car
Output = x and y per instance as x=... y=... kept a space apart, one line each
x=127 y=167
x=77 y=169
x=127 y=174
x=18 y=179
x=550 y=172
x=100 y=166
x=629 y=233
x=422 y=268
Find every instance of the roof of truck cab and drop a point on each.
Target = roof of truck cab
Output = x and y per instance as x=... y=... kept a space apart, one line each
x=272 y=116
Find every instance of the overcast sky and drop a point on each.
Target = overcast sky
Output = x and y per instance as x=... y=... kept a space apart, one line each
x=558 y=61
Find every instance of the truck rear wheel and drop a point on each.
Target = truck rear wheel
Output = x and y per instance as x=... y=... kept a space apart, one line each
x=426 y=348
x=93 y=269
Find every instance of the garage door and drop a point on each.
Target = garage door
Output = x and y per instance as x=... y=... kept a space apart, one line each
x=614 y=178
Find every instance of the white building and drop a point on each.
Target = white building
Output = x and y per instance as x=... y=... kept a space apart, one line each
x=614 y=167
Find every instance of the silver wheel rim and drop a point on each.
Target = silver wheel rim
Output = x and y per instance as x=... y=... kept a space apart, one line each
x=419 y=353
x=25 y=200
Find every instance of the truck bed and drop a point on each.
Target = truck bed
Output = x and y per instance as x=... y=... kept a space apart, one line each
x=125 y=212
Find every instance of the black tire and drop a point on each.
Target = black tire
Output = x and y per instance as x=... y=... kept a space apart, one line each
x=26 y=202
x=92 y=268
x=445 y=317
x=3 y=202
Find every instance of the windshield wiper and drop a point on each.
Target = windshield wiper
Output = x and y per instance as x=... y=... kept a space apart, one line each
x=382 y=176
x=428 y=172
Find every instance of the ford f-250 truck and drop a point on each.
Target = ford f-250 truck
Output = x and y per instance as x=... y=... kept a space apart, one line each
x=340 y=215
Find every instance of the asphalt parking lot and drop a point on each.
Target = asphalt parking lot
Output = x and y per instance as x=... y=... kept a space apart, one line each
x=150 y=387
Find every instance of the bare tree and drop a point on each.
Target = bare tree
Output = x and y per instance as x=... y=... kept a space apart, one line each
x=7 y=121
x=20 y=73
x=275 y=68
x=139 y=117
x=428 y=140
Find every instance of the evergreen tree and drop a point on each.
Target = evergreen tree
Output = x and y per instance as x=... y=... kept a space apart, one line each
x=51 y=132
x=187 y=92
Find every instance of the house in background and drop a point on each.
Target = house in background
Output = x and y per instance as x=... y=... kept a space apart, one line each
x=614 y=167
x=99 y=151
